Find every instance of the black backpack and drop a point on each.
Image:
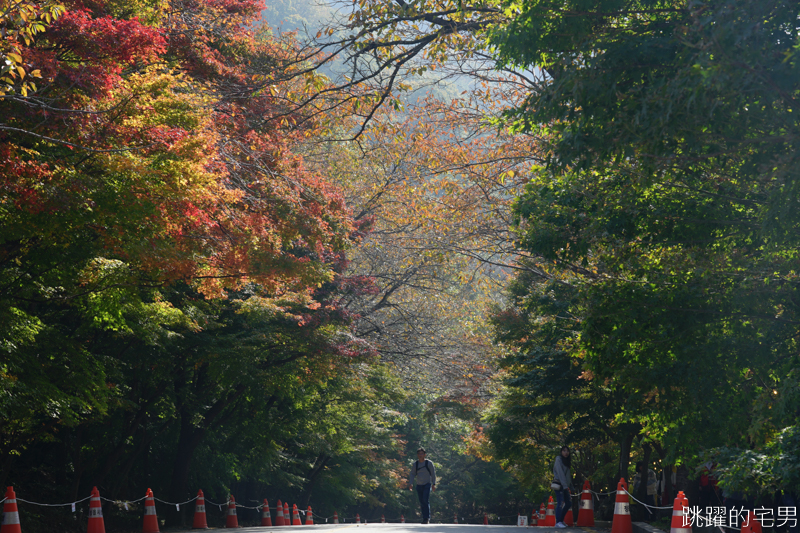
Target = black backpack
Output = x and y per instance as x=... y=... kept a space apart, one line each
x=428 y=468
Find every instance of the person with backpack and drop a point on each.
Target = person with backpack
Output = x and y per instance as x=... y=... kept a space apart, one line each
x=425 y=474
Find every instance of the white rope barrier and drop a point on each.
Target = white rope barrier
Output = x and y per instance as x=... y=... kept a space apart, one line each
x=170 y=503
x=646 y=505
x=51 y=504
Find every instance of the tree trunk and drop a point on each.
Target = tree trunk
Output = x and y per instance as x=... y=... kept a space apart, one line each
x=684 y=483
x=77 y=463
x=666 y=475
x=666 y=496
x=644 y=477
x=625 y=454
x=6 y=467
x=322 y=460
x=190 y=437
x=131 y=425
x=141 y=449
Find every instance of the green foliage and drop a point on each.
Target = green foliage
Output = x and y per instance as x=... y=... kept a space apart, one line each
x=776 y=467
x=469 y=483
x=662 y=230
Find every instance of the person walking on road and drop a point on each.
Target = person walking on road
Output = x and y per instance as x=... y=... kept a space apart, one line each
x=425 y=474
x=562 y=480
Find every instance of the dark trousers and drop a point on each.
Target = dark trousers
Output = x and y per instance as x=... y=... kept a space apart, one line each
x=563 y=504
x=424 y=495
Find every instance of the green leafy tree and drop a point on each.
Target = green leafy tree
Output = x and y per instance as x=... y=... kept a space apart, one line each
x=668 y=206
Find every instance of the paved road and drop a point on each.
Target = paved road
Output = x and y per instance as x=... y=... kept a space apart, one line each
x=411 y=528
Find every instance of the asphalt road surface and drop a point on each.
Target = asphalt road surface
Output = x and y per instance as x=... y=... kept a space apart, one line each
x=412 y=528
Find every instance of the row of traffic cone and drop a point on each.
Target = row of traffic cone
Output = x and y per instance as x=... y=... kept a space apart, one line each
x=622 y=516
x=546 y=517
x=150 y=525
x=283 y=518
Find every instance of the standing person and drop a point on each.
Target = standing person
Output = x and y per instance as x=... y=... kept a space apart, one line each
x=650 y=489
x=563 y=479
x=425 y=474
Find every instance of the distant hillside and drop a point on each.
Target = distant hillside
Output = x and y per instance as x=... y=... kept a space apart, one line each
x=308 y=16
x=291 y=15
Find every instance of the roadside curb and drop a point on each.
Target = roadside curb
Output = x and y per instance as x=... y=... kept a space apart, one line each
x=644 y=527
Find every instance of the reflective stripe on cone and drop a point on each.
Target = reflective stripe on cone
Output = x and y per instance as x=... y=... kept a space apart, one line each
x=10 y=513
x=622 y=514
x=678 y=525
x=96 y=524
x=550 y=515
x=231 y=520
x=150 y=522
x=586 y=509
x=266 y=518
x=199 y=519
x=279 y=514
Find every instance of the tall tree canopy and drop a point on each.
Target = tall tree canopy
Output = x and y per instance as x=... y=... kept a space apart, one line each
x=667 y=209
x=147 y=169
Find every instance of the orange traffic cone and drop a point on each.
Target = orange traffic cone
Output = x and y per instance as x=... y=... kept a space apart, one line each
x=751 y=525
x=485 y=519
x=231 y=520
x=150 y=524
x=279 y=514
x=455 y=519
x=96 y=524
x=550 y=516
x=199 y=520
x=622 y=511
x=309 y=517
x=542 y=515
x=10 y=513
x=586 y=510
x=383 y=519
x=358 y=519
x=534 y=519
x=402 y=519
x=296 y=516
x=266 y=518
x=287 y=518
x=568 y=515
x=335 y=517
x=678 y=524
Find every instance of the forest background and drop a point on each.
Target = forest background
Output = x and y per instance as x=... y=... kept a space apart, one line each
x=270 y=252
